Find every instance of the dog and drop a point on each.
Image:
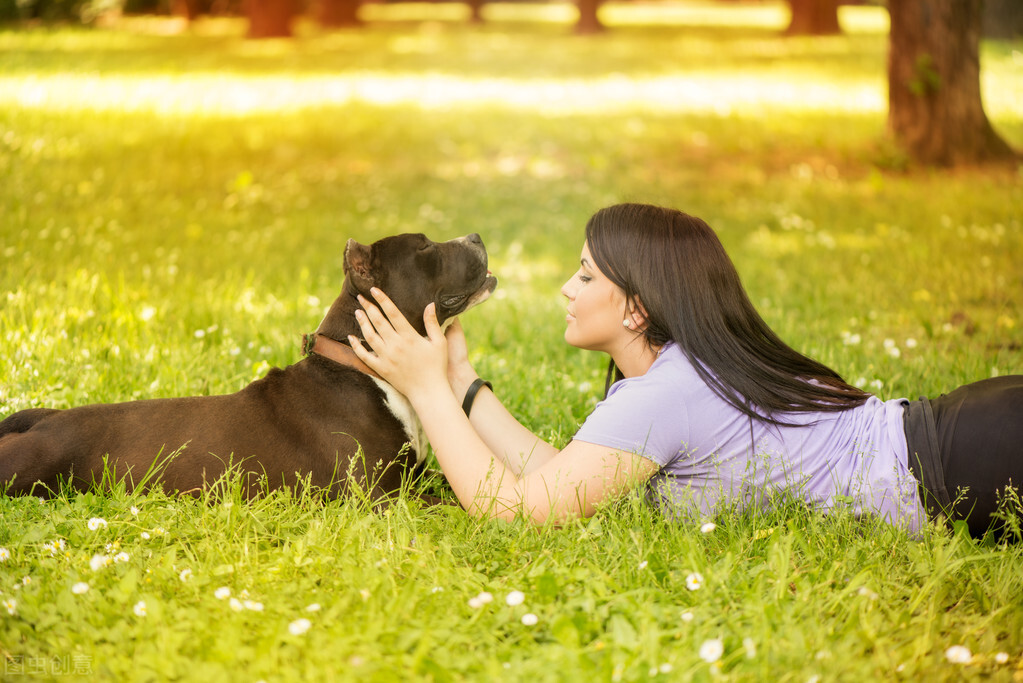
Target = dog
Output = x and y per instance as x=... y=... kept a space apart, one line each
x=327 y=420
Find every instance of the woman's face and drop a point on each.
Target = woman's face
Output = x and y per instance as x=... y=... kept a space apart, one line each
x=596 y=309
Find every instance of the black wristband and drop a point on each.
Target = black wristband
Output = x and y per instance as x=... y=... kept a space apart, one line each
x=470 y=394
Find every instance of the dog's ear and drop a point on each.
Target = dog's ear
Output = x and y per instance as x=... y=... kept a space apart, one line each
x=358 y=258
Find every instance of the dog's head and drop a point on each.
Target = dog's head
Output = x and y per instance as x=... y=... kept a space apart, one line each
x=415 y=271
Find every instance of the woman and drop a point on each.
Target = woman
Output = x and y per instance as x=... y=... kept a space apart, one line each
x=705 y=404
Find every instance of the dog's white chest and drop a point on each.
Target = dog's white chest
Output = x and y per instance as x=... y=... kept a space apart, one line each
x=402 y=409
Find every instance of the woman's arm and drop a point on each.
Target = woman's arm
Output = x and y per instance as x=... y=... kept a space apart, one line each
x=571 y=484
x=504 y=435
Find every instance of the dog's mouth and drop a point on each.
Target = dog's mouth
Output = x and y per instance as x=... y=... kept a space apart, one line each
x=456 y=304
x=483 y=293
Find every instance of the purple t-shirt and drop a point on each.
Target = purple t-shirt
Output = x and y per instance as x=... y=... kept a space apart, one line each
x=711 y=455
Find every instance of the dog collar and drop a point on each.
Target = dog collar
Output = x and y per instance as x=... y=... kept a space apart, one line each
x=335 y=351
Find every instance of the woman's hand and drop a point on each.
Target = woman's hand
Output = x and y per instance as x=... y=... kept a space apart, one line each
x=409 y=362
x=460 y=372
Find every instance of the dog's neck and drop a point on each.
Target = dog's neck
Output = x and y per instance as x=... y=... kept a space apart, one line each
x=330 y=338
x=336 y=351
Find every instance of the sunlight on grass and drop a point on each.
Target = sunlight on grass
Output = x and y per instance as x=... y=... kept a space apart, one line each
x=775 y=77
x=732 y=95
x=219 y=95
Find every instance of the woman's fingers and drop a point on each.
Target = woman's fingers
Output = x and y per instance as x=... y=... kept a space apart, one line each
x=394 y=316
x=433 y=330
x=373 y=317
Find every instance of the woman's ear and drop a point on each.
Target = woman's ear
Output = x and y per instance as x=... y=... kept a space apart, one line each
x=635 y=315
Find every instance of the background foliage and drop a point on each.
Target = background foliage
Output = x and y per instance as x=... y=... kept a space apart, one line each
x=172 y=217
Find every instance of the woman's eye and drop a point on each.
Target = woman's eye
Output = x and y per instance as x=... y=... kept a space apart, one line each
x=584 y=278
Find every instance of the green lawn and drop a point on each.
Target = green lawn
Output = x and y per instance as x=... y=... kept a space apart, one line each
x=173 y=209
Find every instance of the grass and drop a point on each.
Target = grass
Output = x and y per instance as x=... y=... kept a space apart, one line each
x=172 y=217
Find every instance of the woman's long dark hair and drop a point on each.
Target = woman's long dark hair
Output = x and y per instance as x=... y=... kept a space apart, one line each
x=676 y=267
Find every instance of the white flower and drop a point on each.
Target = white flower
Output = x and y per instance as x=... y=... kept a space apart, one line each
x=134 y=511
x=530 y=619
x=299 y=626
x=222 y=593
x=480 y=600
x=437 y=589
x=5 y=554
x=185 y=574
x=686 y=616
x=867 y=593
x=145 y=536
x=957 y=654
x=708 y=527
x=694 y=581
x=79 y=588
x=98 y=562
x=515 y=598
x=11 y=605
x=96 y=523
x=911 y=343
x=750 y=647
x=643 y=564
x=315 y=607
x=1002 y=657
x=55 y=546
x=711 y=650
x=236 y=604
x=140 y=608
x=121 y=557
x=253 y=606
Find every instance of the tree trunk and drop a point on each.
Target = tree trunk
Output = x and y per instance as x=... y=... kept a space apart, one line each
x=338 y=13
x=814 y=18
x=1003 y=19
x=934 y=106
x=270 y=18
x=589 y=22
x=475 y=11
x=186 y=9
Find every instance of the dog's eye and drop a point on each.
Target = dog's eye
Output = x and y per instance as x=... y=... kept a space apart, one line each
x=452 y=301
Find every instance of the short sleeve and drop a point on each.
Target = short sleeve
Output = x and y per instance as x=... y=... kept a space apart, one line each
x=643 y=415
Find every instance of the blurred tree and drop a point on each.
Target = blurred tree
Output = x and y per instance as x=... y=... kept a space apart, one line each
x=338 y=13
x=813 y=18
x=186 y=9
x=934 y=107
x=270 y=18
x=1003 y=18
x=589 y=22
